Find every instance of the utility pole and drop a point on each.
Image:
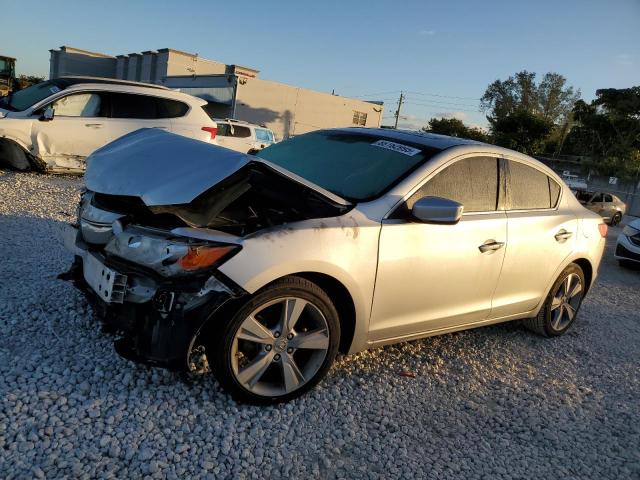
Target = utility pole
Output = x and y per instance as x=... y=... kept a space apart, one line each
x=397 y=115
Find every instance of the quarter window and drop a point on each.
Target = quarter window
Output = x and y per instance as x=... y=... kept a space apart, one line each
x=531 y=189
x=359 y=118
x=171 y=108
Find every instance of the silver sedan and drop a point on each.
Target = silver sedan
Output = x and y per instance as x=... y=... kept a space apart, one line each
x=262 y=269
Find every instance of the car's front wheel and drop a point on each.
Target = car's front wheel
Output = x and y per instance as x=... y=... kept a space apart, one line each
x=562 y=304
x=278 y=345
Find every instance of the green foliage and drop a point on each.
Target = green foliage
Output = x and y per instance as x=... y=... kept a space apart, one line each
x=608 y=131
x=455 y=128
x=529 y=116
x=27 y=80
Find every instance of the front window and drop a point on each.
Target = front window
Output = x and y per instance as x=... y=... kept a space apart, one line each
x=23 y=99
x=78 y=105
x=5 y=66
x=358 y=167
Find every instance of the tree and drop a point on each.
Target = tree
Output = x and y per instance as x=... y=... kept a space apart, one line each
x=27 y=80
x=525 y=115
x=608 y=131
x=455 y=128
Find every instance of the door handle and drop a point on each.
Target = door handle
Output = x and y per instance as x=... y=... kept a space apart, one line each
x=93 y=125
x=562 y=235
x=490 y=246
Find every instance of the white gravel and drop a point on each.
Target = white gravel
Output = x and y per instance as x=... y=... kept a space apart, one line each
x=495 y=402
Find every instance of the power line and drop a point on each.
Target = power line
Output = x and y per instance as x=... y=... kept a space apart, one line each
x=427 y=100
x=443 y=96
x=378 y=93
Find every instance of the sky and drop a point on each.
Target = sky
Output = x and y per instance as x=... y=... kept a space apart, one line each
x=442 y=54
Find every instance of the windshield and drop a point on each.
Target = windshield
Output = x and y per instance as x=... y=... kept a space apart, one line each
x=354 y=166
x=23 y=99
x=4 y=66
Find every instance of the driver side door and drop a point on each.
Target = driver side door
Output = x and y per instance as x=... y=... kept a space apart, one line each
x=435 y=276
x=76 y=130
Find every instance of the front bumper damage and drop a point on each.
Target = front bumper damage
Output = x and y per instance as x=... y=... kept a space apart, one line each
x=157 y=320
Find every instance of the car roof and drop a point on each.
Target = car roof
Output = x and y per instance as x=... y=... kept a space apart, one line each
x=432 y=140
x=82 y=83
x=72 y=80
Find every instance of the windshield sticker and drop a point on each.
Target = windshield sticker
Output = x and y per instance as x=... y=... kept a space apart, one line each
x=54 y=89
x=396 y=147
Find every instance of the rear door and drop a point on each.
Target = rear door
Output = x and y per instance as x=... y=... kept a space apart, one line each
x=541 y=235
x=435 y=276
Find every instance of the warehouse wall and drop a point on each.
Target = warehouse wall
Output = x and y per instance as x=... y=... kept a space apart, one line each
x=291 y=111
x=72 y=61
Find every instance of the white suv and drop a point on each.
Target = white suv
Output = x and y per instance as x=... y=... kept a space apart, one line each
x=243 y=136
x=56 y=124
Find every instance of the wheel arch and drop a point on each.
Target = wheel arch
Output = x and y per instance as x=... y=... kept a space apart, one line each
x=342 y=300
x=15 y=154
x=587 y=269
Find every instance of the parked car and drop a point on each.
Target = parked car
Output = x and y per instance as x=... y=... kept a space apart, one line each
x=607 y=205
x=628 y=245
x=264 y=267
x=574 y=182
x=54 y=125
x=242 y=136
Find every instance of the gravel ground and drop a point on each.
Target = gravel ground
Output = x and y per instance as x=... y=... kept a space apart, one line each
x=496 y=402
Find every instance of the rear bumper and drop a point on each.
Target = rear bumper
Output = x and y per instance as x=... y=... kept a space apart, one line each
x=161 y=329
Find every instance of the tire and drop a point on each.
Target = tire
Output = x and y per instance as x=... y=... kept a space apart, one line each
x=260 y=357
x=615 y=220
x=554 y=318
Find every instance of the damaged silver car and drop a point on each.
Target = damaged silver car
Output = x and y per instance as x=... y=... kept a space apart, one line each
x=262 y=268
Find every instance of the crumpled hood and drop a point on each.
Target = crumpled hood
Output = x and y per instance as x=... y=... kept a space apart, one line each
x=162 y=168
x=167 y=169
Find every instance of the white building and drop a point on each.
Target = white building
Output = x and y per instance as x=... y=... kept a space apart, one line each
x=232 y=91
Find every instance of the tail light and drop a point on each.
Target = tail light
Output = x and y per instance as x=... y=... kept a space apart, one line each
x=603 y=229
x=213 y=131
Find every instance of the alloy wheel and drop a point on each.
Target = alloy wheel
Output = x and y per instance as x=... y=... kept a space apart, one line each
x=280 y=346
x=566 y=301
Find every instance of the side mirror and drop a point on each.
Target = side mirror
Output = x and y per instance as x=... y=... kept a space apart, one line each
x=47 y=115
x=437 y=210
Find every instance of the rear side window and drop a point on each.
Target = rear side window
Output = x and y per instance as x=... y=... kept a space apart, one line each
x=531 y=189
x=240 y=132
x=608 y=198
x=171 y=108
x=128 y=105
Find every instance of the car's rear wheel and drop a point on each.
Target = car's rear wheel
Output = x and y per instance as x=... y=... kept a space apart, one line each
x=562 y=304
x=616 y=219
x=279 y=344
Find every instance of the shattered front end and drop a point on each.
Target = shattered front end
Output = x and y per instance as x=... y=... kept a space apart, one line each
x=154 y=290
